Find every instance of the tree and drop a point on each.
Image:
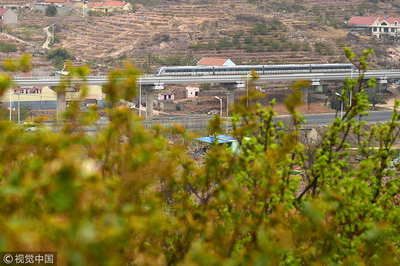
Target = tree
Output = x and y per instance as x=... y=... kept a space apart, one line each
x=374 y=97
x=131 y=196
x=51 y=11
x=58 y=56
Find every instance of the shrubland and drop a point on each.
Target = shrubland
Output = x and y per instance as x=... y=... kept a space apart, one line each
x=129 y=196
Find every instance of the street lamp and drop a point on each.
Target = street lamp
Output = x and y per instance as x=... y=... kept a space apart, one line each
x=247 y=88
x=351 y=89
x=140 y=95
x=341 y=104
x=220 y=101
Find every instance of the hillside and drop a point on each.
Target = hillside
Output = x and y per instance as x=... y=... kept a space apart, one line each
x=182 y=32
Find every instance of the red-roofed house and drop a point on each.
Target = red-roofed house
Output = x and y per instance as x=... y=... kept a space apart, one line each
x=93 y=5
x=209 y=61
x=115 y=5
x=111 y=6
x=362 y=22
x=7 y=16
x=381 y=27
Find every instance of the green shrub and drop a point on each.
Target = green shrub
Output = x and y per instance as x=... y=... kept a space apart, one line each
x=7 y=47
x=282 y=38
x=205 y=86
x=275 y=44
x=250 y=48
x=248 y=39
x=223 y=42
x=131 y=195
x=51 y=11
x=95 y=13
x=306 y=46
x=323 y=48
x=295 y=46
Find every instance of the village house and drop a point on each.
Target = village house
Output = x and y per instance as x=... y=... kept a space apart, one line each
x=380 y=27
x=109 y=6
x=8 y=17
x=192 y=92
x=165 y=96
x=95 y=96
x=35 y=97
x=209 y=61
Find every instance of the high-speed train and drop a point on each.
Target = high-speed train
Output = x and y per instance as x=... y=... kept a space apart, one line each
x=259 y=69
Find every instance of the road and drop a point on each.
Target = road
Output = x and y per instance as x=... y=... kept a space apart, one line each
x=324 y=119
x=48 y=39
x=201 y=122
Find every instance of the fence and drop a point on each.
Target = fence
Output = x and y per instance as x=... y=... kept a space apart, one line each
x=187 y=122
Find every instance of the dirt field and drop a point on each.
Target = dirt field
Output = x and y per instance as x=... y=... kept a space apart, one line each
x=210 y=105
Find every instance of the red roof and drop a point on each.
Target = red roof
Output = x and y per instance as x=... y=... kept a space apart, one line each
x=113 y=3
x=362 y=21
x=94 y=5
x=389 y=20
x=3 y=11
x=209 y=61
x=370 y=21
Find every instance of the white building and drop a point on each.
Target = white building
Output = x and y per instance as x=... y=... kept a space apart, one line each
x=381 y=27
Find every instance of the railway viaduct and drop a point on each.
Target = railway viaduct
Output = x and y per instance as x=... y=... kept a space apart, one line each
x=151 y=83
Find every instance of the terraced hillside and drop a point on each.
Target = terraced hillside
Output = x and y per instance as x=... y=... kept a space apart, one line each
x=182 y=33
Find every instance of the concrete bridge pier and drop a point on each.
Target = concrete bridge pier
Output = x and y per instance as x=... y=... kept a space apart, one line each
x=61 y=102
x=149 y=101
x=304 y=94
x=230 y=92
x=230 y=96
x=150 y=98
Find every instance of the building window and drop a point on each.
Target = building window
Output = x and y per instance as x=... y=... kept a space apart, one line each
x=392 y=29
x=395 y=23
x=374 y=28
x=386 y=29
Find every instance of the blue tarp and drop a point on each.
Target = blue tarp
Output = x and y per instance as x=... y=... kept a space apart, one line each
x=219 y=138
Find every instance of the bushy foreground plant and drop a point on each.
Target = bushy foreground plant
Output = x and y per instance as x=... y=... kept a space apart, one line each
x=128 y=196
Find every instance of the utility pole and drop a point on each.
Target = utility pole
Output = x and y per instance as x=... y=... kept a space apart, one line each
x=227 y=111
x=10 y=103
x=19 y=112
x=52 y=38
